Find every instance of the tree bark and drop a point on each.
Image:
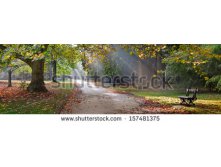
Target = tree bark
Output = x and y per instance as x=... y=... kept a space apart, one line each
x=37 y=82
x=9 y=78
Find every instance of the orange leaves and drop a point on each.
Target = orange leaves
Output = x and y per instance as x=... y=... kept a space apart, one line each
x=72 y=99
x=9 y=94
x=153 y=107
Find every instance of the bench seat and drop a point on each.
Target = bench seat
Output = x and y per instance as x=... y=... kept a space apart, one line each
x=185 y=97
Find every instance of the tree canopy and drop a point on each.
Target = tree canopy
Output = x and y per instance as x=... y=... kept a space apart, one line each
x=202 y=60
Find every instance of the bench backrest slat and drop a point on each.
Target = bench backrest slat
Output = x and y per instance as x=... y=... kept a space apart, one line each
x=192 y=91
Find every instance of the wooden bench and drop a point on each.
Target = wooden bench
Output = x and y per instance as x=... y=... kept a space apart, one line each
x=190 y=97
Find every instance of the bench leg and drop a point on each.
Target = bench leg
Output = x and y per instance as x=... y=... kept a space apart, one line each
x=183 y=101
x=191 y=102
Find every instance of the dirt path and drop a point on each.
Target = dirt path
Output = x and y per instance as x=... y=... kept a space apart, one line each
x=98 y=100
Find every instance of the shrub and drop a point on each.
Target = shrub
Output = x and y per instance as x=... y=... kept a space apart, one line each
x=214 y=83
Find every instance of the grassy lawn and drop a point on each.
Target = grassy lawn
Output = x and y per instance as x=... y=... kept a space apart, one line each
x=207 y=103
x=17 y=101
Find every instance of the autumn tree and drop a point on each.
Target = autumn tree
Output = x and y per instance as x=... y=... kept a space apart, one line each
x=35 y=55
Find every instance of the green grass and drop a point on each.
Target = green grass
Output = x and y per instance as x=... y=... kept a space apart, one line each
x=207 y=103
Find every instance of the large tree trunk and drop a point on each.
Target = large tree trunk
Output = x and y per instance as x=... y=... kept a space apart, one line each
x=37 y=81
x=9 y=78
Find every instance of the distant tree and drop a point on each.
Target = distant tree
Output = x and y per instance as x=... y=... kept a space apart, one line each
x=10 y=65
